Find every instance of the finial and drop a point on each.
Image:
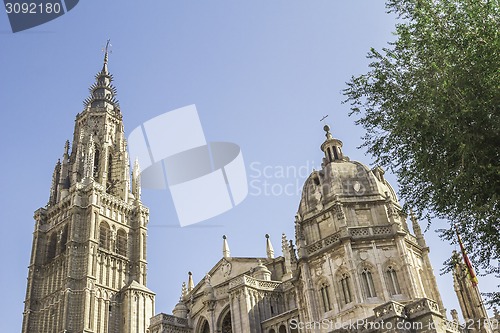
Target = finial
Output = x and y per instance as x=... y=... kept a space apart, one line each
x=283 y=239
x=454 y=315
x=66 y=147
x=269 y=248
x=328 y=135
x=416 y=226
x=136 y=167
x=326 y=128
x=190 y=281
x=183 y=290
x=225 y=248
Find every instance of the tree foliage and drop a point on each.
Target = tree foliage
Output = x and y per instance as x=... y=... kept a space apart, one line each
x=430 y=105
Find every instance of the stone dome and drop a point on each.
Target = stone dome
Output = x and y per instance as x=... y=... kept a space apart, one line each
x=261 y=272
x=180 y=310
x=342 y=180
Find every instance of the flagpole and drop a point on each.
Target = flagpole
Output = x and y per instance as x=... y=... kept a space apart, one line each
x=473 y=279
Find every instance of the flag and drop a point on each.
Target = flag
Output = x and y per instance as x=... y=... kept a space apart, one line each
x=470 y=269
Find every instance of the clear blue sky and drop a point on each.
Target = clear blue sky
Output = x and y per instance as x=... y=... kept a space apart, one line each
x=261 y=73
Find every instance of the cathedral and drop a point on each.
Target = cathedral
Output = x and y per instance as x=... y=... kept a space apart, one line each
x=357 y=262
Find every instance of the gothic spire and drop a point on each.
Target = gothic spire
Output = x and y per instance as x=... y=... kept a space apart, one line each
x=102 y=92
x=225 y=248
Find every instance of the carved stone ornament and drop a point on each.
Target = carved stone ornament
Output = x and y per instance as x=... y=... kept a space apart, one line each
x=363 y=255
x=226 y=268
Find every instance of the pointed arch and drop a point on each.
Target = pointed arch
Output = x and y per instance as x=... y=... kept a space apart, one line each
x=203 y=326
x=52 y=246
x=366 y=273
x=324 y=291
x=224 y=323
x=392 y=280
x=64 y=238
x=344 y=281
x=121 y=242
x=97 y=160
x=104 y=236
x=110 y=181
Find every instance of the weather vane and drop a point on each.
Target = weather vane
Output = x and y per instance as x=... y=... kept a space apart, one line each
x=323 y=119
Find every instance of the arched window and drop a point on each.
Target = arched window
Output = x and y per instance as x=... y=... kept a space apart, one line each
x=52 y=247
x=205 y=328
x=104 y=236
x=64 y=238
x=96 y=163
x=121 y=242
x=325 y=297
x=392 y=281
x=110 y=167
x=272 y=330
x=110 y=182
x=367 y=280
x=282 y=329
x=226 y=325
x=345 y=285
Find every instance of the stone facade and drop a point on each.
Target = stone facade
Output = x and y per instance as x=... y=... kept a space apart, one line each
x=88 y=264
x=355 y=266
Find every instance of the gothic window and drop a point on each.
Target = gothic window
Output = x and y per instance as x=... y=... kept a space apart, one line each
x=226 y=325
x=205 y=328
x=110 y=167
x=325 y=297
x=392 y=281
x=121 y=242
x=64 y=239
x=96 y=164
x=52 y=246
x=367 y=280
x=104 y=236
x=282 y=329
x=110 y=182
x=345 y=285
x=272 y=330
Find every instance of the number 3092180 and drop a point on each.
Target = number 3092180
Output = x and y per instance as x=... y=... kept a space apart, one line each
x=32 y=8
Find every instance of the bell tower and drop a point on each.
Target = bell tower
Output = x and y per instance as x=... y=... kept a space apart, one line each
x=87 y=271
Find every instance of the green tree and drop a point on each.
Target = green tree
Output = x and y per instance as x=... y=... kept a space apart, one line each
x=430 y=105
